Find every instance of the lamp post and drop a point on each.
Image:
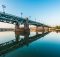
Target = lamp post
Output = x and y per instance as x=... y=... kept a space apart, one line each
x=21 y=14
x=3 y=7
x=30 y=18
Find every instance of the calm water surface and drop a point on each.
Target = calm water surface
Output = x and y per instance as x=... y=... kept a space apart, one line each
x=47 y=46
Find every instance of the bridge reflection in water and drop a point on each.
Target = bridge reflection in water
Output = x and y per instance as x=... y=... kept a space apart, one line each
x=19 y=42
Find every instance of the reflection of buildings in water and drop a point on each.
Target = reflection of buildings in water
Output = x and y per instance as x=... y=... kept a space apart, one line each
x=57 y=31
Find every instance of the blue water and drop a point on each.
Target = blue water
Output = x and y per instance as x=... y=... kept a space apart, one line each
x=47 y=46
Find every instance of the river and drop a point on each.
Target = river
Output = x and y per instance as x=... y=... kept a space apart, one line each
x=48 y=45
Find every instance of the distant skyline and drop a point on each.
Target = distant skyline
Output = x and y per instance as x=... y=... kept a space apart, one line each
x=44 y=11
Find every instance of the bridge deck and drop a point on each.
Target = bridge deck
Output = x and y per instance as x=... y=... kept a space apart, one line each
x=13 y=19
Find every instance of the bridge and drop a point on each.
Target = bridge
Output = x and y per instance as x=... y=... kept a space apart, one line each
x=16 y=43
x=12 y=19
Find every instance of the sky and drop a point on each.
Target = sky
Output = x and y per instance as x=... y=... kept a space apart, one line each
x=44 y=11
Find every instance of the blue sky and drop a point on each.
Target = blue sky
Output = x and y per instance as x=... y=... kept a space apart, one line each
x=45 y=11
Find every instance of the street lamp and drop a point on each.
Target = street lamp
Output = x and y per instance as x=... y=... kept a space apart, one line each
x=30 y=18
x=21 y=14
x=3 y=7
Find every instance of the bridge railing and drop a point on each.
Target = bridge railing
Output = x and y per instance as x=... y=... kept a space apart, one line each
x=11 y=17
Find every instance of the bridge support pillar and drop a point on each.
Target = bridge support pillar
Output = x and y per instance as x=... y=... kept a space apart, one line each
x=36 y=30
x=17 y=26
x=46 y=29
x=43 y=30
x=26 y=26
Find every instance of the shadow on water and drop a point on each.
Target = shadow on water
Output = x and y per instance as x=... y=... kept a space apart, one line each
x=19 y=42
